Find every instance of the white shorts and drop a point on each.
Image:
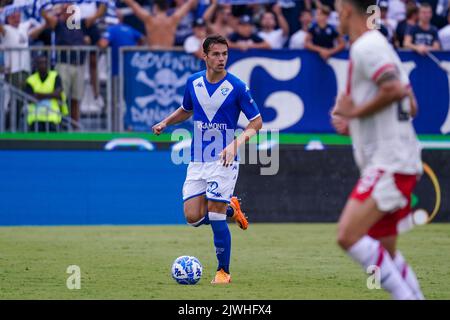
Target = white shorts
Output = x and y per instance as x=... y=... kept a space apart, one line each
x=212 y=179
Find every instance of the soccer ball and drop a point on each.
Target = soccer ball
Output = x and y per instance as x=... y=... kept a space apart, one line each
x=187 y=270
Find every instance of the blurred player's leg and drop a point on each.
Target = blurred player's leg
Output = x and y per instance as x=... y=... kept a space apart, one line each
x=354 y=224
x=222 y=240
x=407 y=273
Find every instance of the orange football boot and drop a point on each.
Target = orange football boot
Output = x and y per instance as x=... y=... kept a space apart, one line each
x=238 y=215
x=221 y=277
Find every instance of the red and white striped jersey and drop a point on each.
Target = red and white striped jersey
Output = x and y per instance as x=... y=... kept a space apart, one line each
x=385 y=140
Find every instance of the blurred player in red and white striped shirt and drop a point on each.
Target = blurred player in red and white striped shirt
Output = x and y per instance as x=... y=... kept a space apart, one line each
x=376 y=111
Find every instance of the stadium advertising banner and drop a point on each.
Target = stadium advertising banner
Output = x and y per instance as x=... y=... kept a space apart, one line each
x=154 y=86
x=294 y=89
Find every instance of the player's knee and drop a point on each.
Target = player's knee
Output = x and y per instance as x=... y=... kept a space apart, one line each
x=193 y=218
x=345 y=239
x=191 y=221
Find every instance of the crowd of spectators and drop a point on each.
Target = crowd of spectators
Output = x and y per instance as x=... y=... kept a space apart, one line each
x=282 y=24
x=419 y=25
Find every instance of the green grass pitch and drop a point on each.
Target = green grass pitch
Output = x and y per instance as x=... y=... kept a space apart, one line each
x=269 y=261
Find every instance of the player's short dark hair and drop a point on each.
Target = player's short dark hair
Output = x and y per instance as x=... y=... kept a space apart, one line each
x=213 y=39
x=362 y=5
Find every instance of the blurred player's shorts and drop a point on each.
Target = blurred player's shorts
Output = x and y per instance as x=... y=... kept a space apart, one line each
x=392 y=193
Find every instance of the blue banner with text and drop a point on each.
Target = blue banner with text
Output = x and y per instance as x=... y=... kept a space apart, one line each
x=294 y=89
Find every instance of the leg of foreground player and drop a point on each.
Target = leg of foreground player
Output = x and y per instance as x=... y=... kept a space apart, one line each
x=355 y=222
x=407 y=273
x=222 y=240
x=195 y=211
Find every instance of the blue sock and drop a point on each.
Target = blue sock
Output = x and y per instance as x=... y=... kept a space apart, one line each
x=222 y=240
x=204 y=220
x=230 y=212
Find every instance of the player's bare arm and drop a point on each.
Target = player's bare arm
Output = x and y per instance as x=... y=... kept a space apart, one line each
x=391 y=89
x=229 y=153
x=177 y=116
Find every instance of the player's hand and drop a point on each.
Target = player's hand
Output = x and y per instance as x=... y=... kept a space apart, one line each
x=228 y=154
x=340 y=124
x=159 y=128
x=345 y=107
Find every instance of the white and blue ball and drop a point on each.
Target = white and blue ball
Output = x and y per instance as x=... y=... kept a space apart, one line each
x=187 y=270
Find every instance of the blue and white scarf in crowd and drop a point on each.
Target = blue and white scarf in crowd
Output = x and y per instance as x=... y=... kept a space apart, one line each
x=32 y=8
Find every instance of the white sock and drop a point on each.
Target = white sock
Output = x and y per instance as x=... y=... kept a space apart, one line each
x=408 y=275
x=369 y=252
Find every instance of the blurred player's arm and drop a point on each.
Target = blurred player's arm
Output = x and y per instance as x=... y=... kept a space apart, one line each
x=177 y=116
x=340 y=124
x=229 y=153
x=413 y=103
x=390 y=89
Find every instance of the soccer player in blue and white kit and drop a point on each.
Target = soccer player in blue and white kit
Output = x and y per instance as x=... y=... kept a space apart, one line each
x=215 y=98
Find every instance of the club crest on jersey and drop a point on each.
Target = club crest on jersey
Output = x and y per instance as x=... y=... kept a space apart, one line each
x=225 y=91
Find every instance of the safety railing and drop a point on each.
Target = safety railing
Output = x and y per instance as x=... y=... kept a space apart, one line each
x=85 y=74
x=16 y=117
